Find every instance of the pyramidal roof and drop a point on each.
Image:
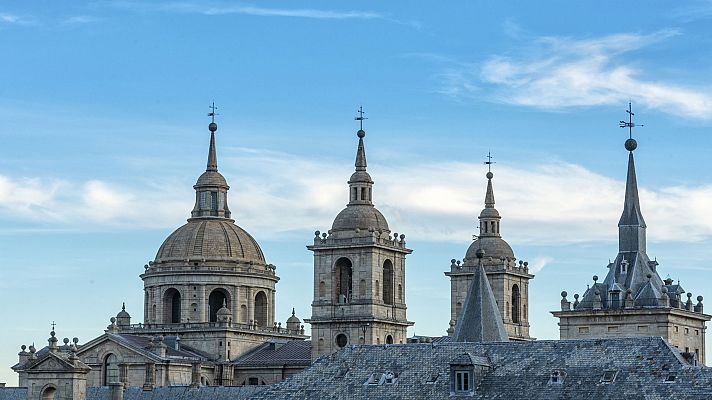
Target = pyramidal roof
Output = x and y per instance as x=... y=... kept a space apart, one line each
x=480 y=320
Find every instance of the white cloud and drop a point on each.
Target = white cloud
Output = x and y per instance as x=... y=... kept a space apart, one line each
x=558 y=72
x=275 y=194
x=79 y=20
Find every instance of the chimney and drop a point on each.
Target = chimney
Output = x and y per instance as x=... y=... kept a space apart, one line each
x=116 y=391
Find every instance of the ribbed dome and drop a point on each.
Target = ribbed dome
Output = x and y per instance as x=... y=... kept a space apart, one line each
x=493 y=246
x=208 y=239
x=211 y=178
x=362 y=216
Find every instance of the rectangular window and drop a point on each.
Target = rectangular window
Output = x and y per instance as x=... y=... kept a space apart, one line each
x=642 y=328
x=221 y=205
x=462 y=381
x=583 y=329
x=213 y=200
x=609 y=376
x=676 y=329
x=612 y=329
x=203 y=200
x=687 y=331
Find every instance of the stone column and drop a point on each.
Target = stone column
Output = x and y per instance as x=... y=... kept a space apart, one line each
x=202 y=304
x=116 y=391
x=150 y=380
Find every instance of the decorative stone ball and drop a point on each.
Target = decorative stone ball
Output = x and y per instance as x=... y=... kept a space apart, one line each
x=564 y=294
x=66 y=341
x=629 y=290
x=576 y=296
x=480 y=253
x=317 y=233
x=689 y=295
x=23 y=347
x=361 y=133
x=112 y=320
x=595 y=278
x=75 y=340
x=648 y=276
x=213 y=127
x=490 y=175
x=665 y=290
x=699 y=298
x=402 y=236
x=631 y=144
x=453 y=261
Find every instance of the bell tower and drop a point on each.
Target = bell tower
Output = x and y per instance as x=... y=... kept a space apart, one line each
x=359 y=273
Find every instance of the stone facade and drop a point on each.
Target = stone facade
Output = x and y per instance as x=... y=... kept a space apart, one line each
x=509 y=280
x=359 y=274
x=633 y=300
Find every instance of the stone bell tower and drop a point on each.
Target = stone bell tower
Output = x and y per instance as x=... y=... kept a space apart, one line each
x=359 y=274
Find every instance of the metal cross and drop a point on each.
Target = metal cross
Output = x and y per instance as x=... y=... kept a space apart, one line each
x=630 y=124
x=489 y=162
x=360 y=117
x=53 y=325
x=212 y=112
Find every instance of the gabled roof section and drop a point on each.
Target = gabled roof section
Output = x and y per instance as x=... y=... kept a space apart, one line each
x=480 y=320
x=274 y=353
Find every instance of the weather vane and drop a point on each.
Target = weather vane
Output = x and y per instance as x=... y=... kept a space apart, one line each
x=360 y=117
x=212 y=112
x=630 y=124
x=53 y=325
x=489 y=162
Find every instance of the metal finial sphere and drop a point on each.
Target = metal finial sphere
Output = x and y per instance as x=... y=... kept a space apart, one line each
x=213 y=127
x=361 y=133
x=490 y=175
x=480 y=253
x=631 y=144
x=564 y=294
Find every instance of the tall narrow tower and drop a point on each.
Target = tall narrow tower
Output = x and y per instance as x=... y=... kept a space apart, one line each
x=359 y=274
x=509 y=279
x=633 y=300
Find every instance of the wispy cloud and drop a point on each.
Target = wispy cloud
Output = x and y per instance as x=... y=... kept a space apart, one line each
x=222 y=8
x=13 y=19
x=558 y=72
x=551 y=204
x=79 y=20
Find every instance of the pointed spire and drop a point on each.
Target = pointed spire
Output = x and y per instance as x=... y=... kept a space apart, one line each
x=212 y=154
x=489 y=197
x=123 y=306
x=480 y=320
x=361 y=152
x=631 y=226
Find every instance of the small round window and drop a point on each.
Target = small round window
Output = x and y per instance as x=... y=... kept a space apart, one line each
x=341 y=340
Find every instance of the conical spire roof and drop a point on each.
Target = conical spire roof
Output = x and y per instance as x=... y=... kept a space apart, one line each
x=480 y=320
x=212 y=154
x=360 y=152
x=489 y=196
x=631 y=208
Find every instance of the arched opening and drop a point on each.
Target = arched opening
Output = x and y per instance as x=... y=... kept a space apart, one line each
x=48 y=393
x=217 y=298
x=388 y=282
x=194 y=312
x=353 y=194
x=171 y=306
x=389 y=339
x=322 y=289
x=515 y=303
x=261 y=309
x=111 y=369
x=344 y=274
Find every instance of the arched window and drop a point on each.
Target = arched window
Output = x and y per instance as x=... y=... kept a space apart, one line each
x=344 y=274
x=194 y=312
x=515 y=303
x=171 y=306
x=217 y=298
x=261 y=309
x=353 y=194
x=322 y=289
x=49 y=393
x=389 y=339
x=388 y=282
x=111 y=369
x=363 y=194
x=341 y=340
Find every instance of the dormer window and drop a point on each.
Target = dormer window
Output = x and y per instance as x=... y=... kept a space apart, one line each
x=609 y=376
x=463 y=381
x=557 y=377
x=670 y=378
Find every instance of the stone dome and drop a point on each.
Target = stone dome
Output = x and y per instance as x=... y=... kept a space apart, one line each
x=210 y=239
x=493 y=246
x=211 y=178
x=362 y=216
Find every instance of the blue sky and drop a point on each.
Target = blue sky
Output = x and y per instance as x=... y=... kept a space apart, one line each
x=103 y=130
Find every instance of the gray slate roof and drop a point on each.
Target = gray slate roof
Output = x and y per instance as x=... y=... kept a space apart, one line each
x=480 y=320
x=159 y=393
x=291 y=353
x=520 y=370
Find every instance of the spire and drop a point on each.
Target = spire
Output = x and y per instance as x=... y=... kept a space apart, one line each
x=489 y=197
x=360 y=184
x=480 y=320
x=212 y=155
x=631 y=226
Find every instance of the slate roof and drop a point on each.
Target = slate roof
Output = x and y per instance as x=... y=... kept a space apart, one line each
x=519 y=370
x=159 y=393
x=480 y=320
x=291 y=353
x=13 y=393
